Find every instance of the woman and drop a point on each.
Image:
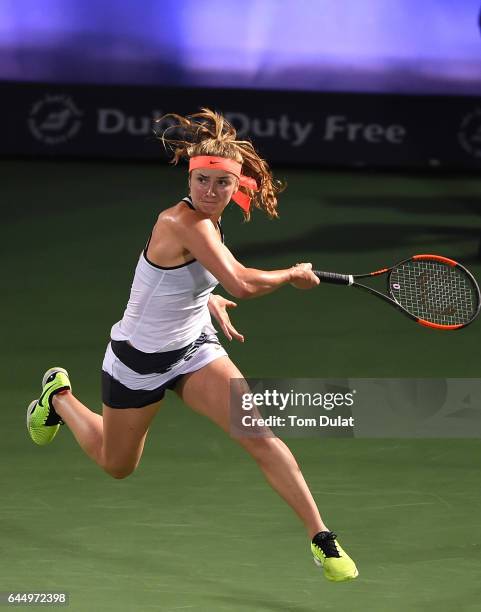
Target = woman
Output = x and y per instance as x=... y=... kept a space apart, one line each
x=165 y=339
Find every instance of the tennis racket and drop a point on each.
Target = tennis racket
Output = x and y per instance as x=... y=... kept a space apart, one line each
x=432 y=290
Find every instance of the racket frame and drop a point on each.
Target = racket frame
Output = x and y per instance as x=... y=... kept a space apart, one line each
x=352 y=280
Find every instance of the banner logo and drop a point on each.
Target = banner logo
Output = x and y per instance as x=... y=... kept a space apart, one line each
x=469 y=134
x=54 y=119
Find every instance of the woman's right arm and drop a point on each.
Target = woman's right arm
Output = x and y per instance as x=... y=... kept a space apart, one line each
x=200 y=238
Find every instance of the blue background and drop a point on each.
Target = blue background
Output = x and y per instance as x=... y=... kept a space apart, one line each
x=433 y=46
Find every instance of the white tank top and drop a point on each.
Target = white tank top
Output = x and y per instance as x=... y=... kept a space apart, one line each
x=167 y=308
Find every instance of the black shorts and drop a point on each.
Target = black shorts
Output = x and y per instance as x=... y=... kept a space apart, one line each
x=134 y=379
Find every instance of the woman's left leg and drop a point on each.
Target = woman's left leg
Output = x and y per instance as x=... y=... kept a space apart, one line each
x=208 y=392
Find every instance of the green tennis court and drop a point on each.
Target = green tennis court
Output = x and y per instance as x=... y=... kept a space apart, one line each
x=196 y=528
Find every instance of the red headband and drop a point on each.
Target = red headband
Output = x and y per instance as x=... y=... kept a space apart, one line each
x=229 y=165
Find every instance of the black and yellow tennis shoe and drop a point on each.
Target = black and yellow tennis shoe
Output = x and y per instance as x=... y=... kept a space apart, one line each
x=42 y=420
x=337 y=565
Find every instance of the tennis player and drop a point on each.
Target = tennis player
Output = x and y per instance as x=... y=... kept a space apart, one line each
x=166 y=339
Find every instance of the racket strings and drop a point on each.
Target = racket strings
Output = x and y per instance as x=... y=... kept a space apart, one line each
x=434 y=291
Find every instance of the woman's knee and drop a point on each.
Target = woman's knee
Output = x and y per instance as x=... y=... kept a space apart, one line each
x=119 y=467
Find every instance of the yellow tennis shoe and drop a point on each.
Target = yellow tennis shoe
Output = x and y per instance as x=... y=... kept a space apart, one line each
x=43 y=422
x=328 y=555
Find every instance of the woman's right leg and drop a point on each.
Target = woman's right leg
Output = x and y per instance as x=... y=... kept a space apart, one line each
x=115 y=440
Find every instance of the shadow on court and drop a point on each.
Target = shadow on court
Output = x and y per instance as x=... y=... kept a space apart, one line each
x=360 y=228
x=353 y=237
x=437 y=206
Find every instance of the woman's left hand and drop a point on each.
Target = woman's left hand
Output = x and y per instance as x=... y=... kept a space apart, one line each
x=218 y=306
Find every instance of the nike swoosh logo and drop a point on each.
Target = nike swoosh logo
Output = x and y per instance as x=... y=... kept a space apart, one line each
x=213 y=162
x=45 y=392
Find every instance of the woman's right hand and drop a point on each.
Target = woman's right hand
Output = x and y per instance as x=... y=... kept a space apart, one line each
x=303 y=277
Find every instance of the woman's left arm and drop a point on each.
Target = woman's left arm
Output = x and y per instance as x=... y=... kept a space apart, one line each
x=218 y=309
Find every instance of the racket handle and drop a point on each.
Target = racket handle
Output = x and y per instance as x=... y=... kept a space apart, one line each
x=333 y=277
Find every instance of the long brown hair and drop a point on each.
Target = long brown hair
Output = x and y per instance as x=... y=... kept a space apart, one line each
x=209 y=133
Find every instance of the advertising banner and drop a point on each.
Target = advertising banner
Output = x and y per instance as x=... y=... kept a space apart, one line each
x=292 y=128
